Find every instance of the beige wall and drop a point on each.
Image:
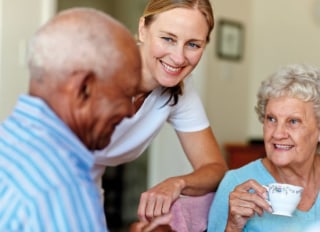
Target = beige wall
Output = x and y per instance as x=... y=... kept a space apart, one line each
x=283 y=32
x=106 y=6
x=128 y=12
x=19 y=19
x=227 y=87
x=276 y=33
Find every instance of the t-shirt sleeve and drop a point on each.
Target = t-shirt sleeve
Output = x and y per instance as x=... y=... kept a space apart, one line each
x=189 y=114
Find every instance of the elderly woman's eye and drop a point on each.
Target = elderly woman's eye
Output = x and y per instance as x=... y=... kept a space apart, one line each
x=270 y=119
x=294 y=121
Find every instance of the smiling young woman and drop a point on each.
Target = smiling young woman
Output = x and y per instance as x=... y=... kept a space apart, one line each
x=171 y=45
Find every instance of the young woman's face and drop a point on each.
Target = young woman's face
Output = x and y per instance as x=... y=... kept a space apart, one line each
x=172 y=45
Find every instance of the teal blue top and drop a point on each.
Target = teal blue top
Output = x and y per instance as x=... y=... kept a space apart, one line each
x=268 y=222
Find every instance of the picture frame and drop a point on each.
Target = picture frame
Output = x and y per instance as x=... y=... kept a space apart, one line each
x=230 y=40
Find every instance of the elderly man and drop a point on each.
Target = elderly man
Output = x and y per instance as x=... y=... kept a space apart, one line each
x=84 y=68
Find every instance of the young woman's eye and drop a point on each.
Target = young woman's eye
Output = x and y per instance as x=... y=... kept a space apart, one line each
x=194 y=45
x=168 y=39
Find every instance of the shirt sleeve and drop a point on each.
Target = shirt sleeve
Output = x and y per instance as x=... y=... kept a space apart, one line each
x=189 y=114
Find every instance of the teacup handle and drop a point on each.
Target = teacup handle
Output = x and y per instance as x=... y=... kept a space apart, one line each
x=268 y=199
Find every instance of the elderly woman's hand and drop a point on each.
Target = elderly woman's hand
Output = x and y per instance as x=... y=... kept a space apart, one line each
x=157 y=201
x=245 y=201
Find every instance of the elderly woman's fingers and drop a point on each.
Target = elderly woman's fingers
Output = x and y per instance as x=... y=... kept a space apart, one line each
x=246 y=200
x=249 y=200
x=252 y=185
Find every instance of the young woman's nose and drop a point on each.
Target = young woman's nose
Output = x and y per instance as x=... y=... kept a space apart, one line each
x=178 y=55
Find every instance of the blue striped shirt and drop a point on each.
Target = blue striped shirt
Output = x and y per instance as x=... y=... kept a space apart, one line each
x=45 y=182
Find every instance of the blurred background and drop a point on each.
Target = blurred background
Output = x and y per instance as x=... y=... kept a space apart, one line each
x=264 y=36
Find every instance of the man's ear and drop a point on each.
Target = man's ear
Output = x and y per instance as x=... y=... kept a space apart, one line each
x=141 y=29
x=81 y=85
x=86 y=86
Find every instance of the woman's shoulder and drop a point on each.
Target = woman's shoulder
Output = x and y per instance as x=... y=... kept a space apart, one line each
x=253 y=165
x=253 y=170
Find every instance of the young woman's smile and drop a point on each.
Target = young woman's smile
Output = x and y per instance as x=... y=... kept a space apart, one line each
x=170 y=69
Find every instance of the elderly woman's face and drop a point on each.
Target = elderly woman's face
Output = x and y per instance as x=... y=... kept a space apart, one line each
x=291 y=132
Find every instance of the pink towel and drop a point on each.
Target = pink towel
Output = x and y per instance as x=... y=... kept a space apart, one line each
x=190 y=214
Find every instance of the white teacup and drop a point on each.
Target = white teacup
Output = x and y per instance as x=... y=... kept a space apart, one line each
x=283 y=198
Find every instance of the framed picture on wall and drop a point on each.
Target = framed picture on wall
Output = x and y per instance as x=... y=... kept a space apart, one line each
x=230 y=40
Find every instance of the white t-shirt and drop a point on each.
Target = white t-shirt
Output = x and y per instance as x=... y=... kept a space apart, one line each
x=133 y=135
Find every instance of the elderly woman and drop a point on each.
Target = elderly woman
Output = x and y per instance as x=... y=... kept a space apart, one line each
x=289 y=108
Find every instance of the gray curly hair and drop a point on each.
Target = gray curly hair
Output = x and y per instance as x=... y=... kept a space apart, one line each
x=296 y=80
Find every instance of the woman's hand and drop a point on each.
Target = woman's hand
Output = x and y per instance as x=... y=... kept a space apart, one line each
x=158 y=200
x=245 y=201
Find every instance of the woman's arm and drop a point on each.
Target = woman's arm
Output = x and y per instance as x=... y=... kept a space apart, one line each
x=206 y=159
x=209 y=166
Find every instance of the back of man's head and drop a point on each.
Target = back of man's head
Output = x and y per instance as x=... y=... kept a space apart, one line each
x=86 y=66
x=75 y=39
